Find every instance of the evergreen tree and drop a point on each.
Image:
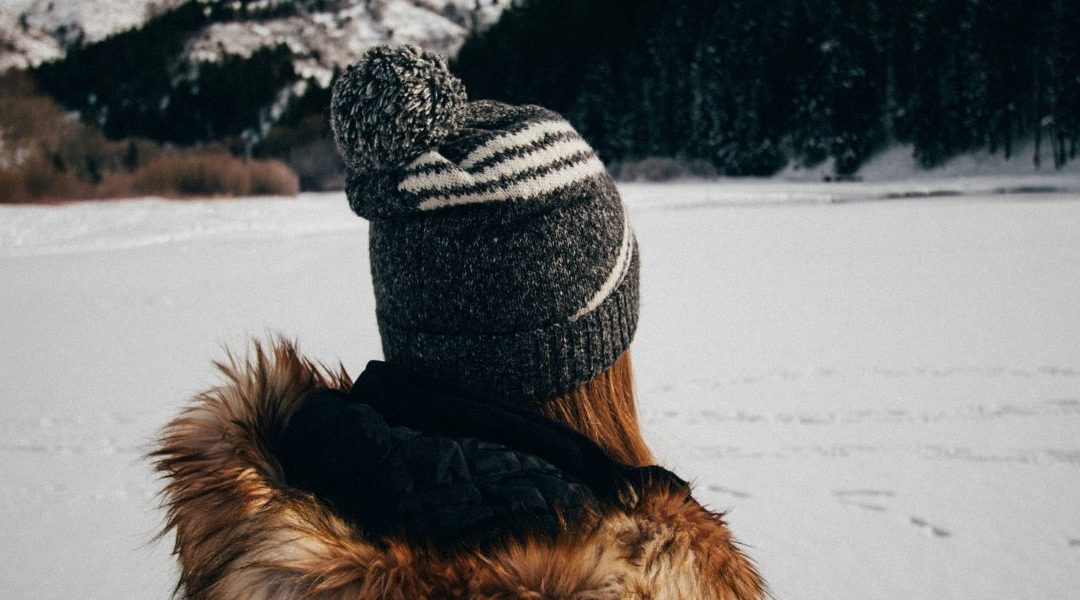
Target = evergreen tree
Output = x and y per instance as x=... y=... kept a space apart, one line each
x=750 y=85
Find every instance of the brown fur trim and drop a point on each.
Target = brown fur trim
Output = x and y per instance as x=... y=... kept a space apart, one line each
x=241 y=533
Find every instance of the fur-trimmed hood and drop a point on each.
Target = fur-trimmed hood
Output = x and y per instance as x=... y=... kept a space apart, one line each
x=242 y=532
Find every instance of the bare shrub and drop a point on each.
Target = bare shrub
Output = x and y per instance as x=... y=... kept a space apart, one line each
x=118 y=185
x=27 y=119
x=193 y=175
x=50 y=153
x=47 y=154
x=272 y=178
x=13 y=187
x=215 y=174
x=45 y=181
x=36 y=180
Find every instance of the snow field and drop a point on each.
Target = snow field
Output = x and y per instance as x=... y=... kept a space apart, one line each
x=884 y=394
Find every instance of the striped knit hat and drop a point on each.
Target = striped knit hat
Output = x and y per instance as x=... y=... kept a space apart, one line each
x=502 y=258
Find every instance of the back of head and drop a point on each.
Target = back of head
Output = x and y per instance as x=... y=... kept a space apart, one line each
x=502 y=259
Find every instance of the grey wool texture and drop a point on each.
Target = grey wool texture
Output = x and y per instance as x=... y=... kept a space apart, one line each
x=502 y=259
x=394 y=103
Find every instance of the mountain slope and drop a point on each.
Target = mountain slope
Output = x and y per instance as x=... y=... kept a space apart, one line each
x=36 y=31
x=324 y=32
x=201 y=71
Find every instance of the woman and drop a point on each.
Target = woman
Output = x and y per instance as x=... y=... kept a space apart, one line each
x=496 y=453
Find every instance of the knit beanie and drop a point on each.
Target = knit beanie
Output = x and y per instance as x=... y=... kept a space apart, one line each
x=502 y=259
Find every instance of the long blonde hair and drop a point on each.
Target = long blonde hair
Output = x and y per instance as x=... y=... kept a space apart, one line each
x=604 y=410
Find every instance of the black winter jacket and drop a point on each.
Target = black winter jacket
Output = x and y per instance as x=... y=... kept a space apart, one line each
x=400 y=456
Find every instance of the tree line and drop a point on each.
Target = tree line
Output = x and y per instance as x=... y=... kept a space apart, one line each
x=750 y=85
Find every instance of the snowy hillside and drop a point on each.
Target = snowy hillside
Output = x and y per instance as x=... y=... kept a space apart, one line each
x=322 y=41
x=221 y=71
x=35 y=31
x=882 y=385
x=322 y=35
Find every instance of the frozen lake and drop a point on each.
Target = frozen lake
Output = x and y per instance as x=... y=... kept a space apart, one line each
x=881 y=382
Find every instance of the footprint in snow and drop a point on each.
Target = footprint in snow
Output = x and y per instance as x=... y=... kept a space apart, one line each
x=729 y=492
x=864 y=499
x=860 y=498
x=865 y=493
x=864 y=505
x=927 y=528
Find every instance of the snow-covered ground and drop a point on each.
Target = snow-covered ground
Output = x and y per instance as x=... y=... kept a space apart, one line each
x=898 y=162
x=881 y=382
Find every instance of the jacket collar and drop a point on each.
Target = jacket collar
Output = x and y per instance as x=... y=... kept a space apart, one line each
x=408 y=400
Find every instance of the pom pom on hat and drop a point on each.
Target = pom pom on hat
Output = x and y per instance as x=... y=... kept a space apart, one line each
x=393 y=105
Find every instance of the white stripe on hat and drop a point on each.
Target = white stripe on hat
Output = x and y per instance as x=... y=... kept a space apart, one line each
x=537 y=158
x=431 y=157
x=526 y=136
x=618 y=272
x=441 y=179
x=525 y=188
